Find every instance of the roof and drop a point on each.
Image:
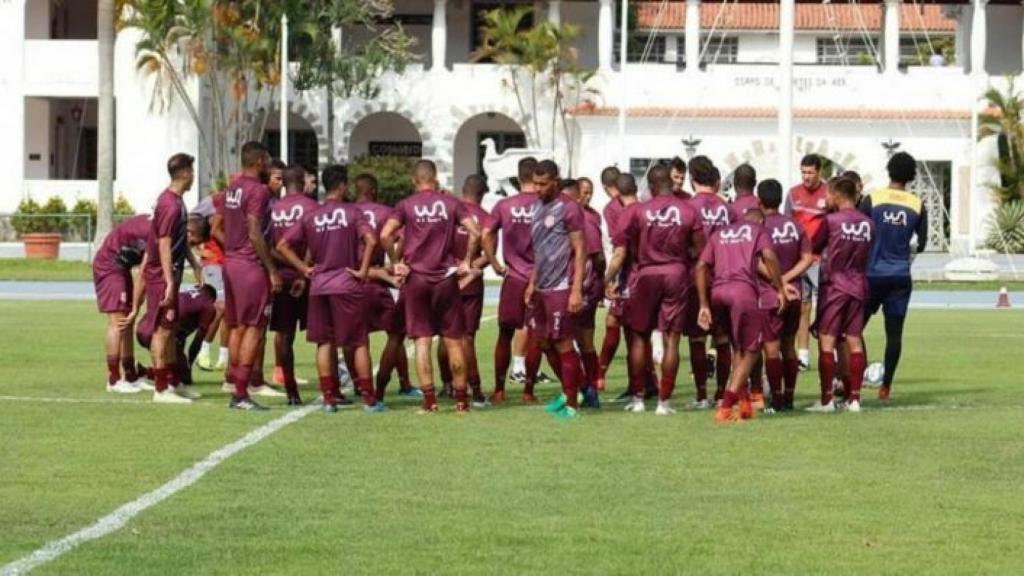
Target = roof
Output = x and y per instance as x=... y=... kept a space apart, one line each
x=765 y=16
x=770 y=113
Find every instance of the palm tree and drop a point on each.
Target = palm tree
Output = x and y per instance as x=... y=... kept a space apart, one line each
x=105 y=118
x=1003 y=119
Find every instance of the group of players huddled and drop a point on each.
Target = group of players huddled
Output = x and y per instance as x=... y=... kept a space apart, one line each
x=683 y=263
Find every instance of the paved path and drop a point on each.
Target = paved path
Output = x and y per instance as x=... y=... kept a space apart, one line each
x=83 y=291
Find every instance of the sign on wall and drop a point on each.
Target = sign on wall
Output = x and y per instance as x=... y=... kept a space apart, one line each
x=406 y=149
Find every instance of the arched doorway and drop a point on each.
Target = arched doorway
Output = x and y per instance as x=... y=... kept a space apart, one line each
x=385 y=134
x=467 y=152
x=303 y=143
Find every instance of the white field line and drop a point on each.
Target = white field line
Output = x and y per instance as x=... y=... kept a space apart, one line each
x=118 y=518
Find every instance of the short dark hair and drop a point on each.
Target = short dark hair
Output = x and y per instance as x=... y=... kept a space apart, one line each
x=769 y=192
x=277 y=164
x=476 y=184
x=569 y=184
x=703 y=171
x=294 y=177
x=844 y=187
x=546 y=168
x=178 y=163
x=210 y=291
x=583 y=179
x=658 y=179
x=334 y=176
x=852 y=175
x=366 y=179
x=424 y=169
x=678 y=164
x=202 y=226
x=252 y=152
x=525 y=169
x=902 y=168
x=609 y=176
x=626 y=184
x=744 y=177
x=811 y=160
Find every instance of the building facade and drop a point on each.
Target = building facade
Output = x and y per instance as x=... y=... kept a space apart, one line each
x=868 y=79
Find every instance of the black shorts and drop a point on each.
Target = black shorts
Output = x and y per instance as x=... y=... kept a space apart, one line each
x=892 y=295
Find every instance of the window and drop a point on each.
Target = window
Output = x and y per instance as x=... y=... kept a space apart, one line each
x=638 y=167
x=638 y=43
x=848 y=51
x=918 y=50
x=502 y=141
x=720 y=50
x=302 y=147
x=476 y=18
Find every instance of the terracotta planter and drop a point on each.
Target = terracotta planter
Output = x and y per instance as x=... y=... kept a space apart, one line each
x=41 y=246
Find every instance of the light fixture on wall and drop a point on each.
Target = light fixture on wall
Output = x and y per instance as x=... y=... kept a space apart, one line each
x=76 y=113
x=891 y=147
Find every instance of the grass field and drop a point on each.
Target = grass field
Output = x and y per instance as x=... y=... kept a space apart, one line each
x=930 y=485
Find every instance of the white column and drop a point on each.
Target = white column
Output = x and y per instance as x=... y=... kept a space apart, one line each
x=555 y=12
x=787 y=22
x=671 y=49
x=605 y=35
x=979 y=37
x=439 y=36
x=692 y=35
x=892 y=36
x=284 y=89
x=624 y=84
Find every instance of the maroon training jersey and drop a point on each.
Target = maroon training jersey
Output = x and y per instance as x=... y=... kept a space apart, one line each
x=790 y=243
x=429 y=221
x=245 y=197
x=132 y=233
x=662 y=229
x=847 y=235
x=713 y=212
x=514 y=217
x=743 y=203
x=285 y=214
x=612 y=212
x=732 y=253
x=333 y=234
x=594 y=246
x=481 y=217
x=169 y=221
x=376 y=215
x=195 y=311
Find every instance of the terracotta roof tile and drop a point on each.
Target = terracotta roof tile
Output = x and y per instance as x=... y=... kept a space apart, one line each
x=765 y=16
x=768 y=113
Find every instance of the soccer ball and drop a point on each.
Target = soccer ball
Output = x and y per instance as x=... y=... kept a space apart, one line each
x=874 y=374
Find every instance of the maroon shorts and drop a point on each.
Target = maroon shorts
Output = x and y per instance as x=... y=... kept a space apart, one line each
x=113 y=292
x=736 y=306
x=338 y=319
x=779 y=325
x=549 y=316
x=472 y=310
x=690 y=326
x=246 y=294
x=839 y=314
x=587 y=318
x=384 y=315
x=288 y=312
x=158 y=316
x=433 y=308
x=511 y=303
x=659 y=300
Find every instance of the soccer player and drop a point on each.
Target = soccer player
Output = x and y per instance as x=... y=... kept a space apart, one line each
x=121 y=251
x=806 y=203
x=384 y=314
x=735 y=253
x=471 y=290
x=665 y=231
x=275 y=180
x=898 y=216
x=677 y=171
x=593 y=289
x=426 y=260
x=612 y=333
x=250 y=273
x=340 y=243
x=212 y=257
x=196 y=313
x=555 y=291
x=846 y=235
x=166 y=250
x=793 y=249
x=744 y=180
x=513 y=217
x=714 y=214
x=289 y=307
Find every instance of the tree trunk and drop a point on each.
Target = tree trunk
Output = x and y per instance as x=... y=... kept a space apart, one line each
x=105 y=118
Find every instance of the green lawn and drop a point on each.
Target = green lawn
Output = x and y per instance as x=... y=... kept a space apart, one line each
x=44 y=270
x=930 y=485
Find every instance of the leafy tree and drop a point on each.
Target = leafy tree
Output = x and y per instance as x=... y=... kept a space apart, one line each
x=1006 y=228
x=393 y=174
x=1002 y=120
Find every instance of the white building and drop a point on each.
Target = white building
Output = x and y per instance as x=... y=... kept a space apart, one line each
x=863 y=78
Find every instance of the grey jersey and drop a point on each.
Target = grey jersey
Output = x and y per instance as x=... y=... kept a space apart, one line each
x=552 y=252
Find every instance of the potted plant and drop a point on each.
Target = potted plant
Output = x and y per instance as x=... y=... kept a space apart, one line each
x=41 y=227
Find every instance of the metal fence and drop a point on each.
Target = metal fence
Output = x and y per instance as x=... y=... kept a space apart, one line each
x=71 y=227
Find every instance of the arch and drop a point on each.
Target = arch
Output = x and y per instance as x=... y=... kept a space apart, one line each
x=344 y=150
x=763 y=156
x=385 y=134
x=466 y=151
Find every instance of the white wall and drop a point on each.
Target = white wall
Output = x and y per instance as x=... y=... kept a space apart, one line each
x=761 y=48
x=12 y=120
x=37 y=138
x=384 y=126
x=37 y=19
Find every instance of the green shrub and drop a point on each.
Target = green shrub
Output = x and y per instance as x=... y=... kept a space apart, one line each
x=33 y=218
x=82 y=229
x=393 y=174
x=1006 y=228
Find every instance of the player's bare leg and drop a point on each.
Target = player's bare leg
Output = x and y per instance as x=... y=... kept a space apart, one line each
x=502 y=358
x=636 y=360
x=457 y=364
x=609 y=348
x=723 y=364
x=204 y=362
x=735 y=390
x=570 y=374
x=245 y=346
x=163 y=350
x=363 y=375
x=473 y=371
x=669 y=372
x=520 y=352
x=284 y=354
x=120 y=354
x=534 y=352
x=803 y=333
x=425 y=374
x=857 y=365
x=389 y=359
x=699 y=369
x=588 y=356
x=445 y=372
x=775 y=370
x=790 y=369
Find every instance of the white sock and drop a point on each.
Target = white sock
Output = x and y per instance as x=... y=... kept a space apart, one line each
x=804 y=355
x=204 y=349
x=223 y=356
x=518 y=364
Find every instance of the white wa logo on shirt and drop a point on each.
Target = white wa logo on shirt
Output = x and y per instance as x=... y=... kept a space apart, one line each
x=371 y=218
x=286 y=217
x=331 y=221
x=742 y=234
x=894 y=218
x=233 y=198
x=717 y=216
x=462 y=229
x=785 y=234
x=669 y=216
x=436 y=212
x=524 y=214
x=856 y=231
